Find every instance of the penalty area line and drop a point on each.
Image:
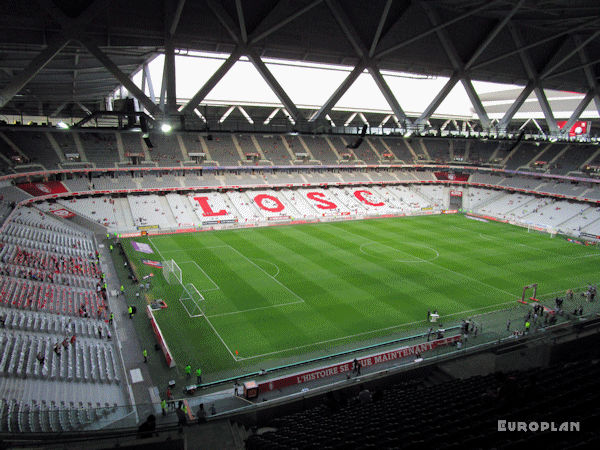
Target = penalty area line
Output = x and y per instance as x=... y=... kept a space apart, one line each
x=207 y=320
x=366 y=332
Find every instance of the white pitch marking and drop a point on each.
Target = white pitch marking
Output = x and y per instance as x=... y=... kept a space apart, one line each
x=429 y=262
x=269 y=275
x=217 y=288
x=365 y=332
x=269 y=262
x=206 y=318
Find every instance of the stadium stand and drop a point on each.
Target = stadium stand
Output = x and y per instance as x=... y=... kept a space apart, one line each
x=481 y=151
x=246 y=144
x=77 y=184
x=399 y=148
x=36 y=146
x=222 y=149
x=165 y=150
x=59 y=370
x=521 y=183
x=410 y=414
x=273 y=149
x=132 y=143
x=439 y=150
x=150 y=210
x=320 y=149
x=364 y=152
x=521 y=155
x=101 y=148
x=571 y=160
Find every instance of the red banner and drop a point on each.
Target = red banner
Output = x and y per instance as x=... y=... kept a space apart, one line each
x=579 y=128
x=346 y=366
x=45 y=188
x=62 y=212
x=160 y=338
x=452 y=176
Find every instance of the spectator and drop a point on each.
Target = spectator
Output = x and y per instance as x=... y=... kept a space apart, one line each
x=146 y=429
x=201 y=414
x=364 y=396
x=356 y=367
x=170 y=398
x=181 y=414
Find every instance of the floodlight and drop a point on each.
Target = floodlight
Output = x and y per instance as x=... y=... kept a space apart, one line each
x=62 y=125
x=166 y=127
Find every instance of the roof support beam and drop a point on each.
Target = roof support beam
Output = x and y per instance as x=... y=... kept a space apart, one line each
x=19 y=81
x=212 y=81
x=476 y=102
x=362 y=52
x=437 y=101
x=573 y=69
x=273 y=84
x=537 y=86
x=224 y=19
x=490 y=37
x=434 y=29
x=148 y=78
x=172 y=15
x=73 y=27
x=337 y=94
x=382 y=19
x=169 y=73
x=516 y=105
x=255 y=37
x=589 y=75
x=458 y=65
x=176 y=17
x=240 y=13
x=254 y=58
x=347 y=28
x=84 y=108
x=163 y=87
x=388 y=95
x=533 y=44
x=546 y=109
x=547 y=71
x=585 y=101
x=121 y=77
x=59 y=109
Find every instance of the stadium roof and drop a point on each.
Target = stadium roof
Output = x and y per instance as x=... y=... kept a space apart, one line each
x=57 y=54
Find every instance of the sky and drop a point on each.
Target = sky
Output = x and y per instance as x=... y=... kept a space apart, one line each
x=310 y=85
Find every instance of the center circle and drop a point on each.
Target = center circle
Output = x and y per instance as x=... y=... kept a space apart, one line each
x=403 y=252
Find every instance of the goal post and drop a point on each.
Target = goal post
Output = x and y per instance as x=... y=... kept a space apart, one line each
x=536 y=228
x=192 y=300
x=172 y=272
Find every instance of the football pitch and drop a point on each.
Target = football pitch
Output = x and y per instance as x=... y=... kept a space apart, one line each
x=284 y=293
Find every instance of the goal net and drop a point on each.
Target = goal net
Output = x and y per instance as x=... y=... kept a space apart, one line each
x=192 y=300
x=172 y=272
x=531 y=228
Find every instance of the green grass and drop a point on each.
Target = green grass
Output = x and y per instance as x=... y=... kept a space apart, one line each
x=280 y=294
